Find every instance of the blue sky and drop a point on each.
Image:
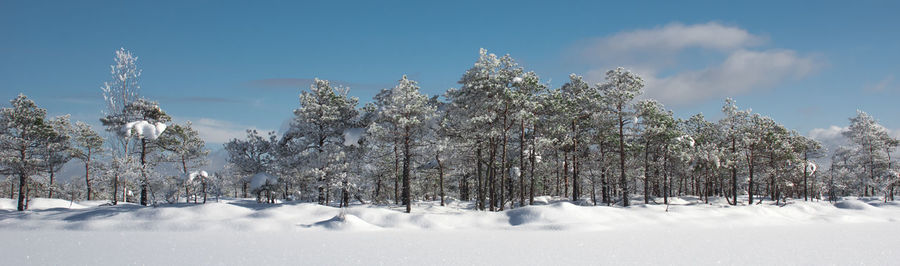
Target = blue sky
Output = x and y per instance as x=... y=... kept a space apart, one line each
x=231 y=65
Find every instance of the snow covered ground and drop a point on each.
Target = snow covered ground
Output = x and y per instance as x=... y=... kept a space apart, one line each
x=57 y=232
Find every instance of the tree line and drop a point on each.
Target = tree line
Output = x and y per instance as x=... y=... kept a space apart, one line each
x=500 y=140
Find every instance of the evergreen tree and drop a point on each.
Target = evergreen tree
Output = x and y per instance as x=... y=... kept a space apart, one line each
x=23 y=139
x=186 y=148
x=87 y=144
x=621 y=87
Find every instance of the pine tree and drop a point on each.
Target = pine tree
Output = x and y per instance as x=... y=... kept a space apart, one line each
x=252 y=155
x=317 y=133
x=186 y=148
x=122 y=89
x=406 y=110
x=874 y=147
x=87 y=144
x=621 y=87
x=59 y=149
x=23 y=139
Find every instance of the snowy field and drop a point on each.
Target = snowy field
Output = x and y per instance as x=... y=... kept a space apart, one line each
x=241 y=232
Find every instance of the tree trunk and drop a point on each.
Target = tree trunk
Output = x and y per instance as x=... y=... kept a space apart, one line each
x=406 y=156
x=23 y=179
x=440 y=176
x=87 y=175
x=623 y=180
x=647 y=172
x=532 y=162
x=50 y=186
x=805 y=184
x=397 y=175
x=479 y=178
x=734 y=185
x=750 y=190
x=522 y=163
x=666 y=175
x=203 y=184
x=492 y=176
x=566 y=173
x=575 y=181
x=145 y=200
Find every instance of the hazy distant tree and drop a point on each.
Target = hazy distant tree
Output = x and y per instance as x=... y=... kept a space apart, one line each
x=186 y=148
x=87 y=144
x=250 y=156
x=58 y=150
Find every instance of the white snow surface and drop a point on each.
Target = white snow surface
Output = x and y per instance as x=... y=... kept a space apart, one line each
x=553 y=232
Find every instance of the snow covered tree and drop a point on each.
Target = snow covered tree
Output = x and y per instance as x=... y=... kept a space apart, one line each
x=659 y=132
x=620 y=88
x=122 y=89
x=808 y=149
x=251 y=156
x=874 y=147
x=525 y=105
x=406 y=110
x=753 y=137
x=482 y=108
x=732 y=124
x=580 y=101
x=23 y=140
x=317 y=133
x=87 y=144
x=58 y=150
x=142 y=121
x=186 y=148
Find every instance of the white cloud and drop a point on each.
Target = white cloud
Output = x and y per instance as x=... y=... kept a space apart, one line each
x=219 y=131
x=742 y=72
x=655 y=55
x=675 y=37
x=832 y=132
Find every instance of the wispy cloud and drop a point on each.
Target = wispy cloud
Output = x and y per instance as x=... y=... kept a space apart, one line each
x=656 y=54
x=646 y=46
x=832 y=132
x=740 y=73
x=886 y=84
x=215 y=131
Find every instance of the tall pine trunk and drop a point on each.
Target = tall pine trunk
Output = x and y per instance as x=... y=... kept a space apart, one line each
x=23 y=179
x=623 y=180
x=87 y=175
x=440 y=176
x=145 y=200
x=522 y=163
x=406 y=156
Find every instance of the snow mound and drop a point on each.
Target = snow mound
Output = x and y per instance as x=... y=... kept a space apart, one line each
x=191 y=176
x=46 y=204
x=346 y=222
x=853 y=205
x=144 y=129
